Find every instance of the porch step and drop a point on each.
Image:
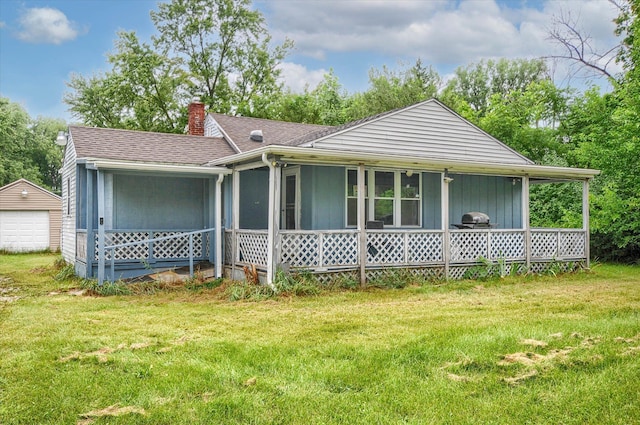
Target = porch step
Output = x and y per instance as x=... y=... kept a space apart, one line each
x=181 y=274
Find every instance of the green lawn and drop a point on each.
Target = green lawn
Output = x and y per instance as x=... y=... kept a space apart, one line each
x=548 y=349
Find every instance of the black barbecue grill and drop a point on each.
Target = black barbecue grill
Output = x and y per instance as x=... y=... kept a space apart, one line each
x=475 y=220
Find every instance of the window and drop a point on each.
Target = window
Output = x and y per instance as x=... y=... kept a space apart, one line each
x=393 y=196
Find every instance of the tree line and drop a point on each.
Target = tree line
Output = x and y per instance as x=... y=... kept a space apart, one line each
x=221 y=52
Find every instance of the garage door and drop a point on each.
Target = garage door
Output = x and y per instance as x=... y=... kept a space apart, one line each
x=24 y=230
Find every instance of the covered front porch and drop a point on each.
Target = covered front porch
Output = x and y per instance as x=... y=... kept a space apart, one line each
x=423 y=251
x=330 y=221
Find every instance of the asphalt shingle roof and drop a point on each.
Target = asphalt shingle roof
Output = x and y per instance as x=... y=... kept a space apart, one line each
x=274 y=132
x=130 y=145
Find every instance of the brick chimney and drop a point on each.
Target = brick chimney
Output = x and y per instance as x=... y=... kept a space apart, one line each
x=196 y=118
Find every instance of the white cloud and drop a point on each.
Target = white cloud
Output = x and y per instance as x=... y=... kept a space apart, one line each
x=297 y=77
x=2 y=24
x=440 y=32
x=46 y=25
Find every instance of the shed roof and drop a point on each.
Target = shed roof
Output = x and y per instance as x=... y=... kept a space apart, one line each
x=131 y=145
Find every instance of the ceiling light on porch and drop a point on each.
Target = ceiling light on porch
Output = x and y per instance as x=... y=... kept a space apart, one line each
x=279 y=164
x=409 y=173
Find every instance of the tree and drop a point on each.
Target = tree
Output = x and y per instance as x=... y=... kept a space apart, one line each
x=604 y=133
x=218 y=50
x=27 y=147
x=144 y=91
x=225 y=47
x=526 y=120
x=475 y=84
x=390 y=90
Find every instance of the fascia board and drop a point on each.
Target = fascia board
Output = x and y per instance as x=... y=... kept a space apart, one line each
x=105 y=164
x=335 y=157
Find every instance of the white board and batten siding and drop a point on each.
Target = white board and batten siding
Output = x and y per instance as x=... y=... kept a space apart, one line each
x=426 y=130
x=68 y=203
x=30 y=218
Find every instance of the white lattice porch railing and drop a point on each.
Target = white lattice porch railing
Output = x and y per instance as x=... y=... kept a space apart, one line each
x=251 y=247
x=139 y=247
x=404 y=247
x=558 y=244
x=323 y=250
x=471 y=244
x=319 y=249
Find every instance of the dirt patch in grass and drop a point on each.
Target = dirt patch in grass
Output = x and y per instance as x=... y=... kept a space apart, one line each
x=519 y=378
x=459 y=378
x=114 y=410
x=101 y=354
x=534 y=343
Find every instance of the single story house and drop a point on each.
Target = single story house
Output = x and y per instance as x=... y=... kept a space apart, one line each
x=418 y=188
x=30 y=218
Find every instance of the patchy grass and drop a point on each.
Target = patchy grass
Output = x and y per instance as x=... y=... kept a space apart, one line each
x=562 y=349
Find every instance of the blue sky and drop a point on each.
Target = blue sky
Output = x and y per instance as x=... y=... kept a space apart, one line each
x=42 y=43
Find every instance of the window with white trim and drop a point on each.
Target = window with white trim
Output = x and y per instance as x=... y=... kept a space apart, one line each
x=393 y=196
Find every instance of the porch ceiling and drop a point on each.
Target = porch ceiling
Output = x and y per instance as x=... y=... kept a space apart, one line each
x=310 y=155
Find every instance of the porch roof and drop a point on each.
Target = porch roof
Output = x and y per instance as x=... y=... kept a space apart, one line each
x=148 y=147
x=311 y=155
x=182 y=169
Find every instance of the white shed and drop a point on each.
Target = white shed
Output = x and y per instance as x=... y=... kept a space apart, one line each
x=30 y=218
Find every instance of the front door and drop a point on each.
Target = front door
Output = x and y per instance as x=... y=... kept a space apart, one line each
x=291 y=198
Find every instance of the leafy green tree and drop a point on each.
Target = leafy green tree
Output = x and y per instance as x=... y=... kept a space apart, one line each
x=144 y=91
x=27 y=147
x=603 y=131
x=527 y=119
x=225 y=46
x=394 y=89
x=476 y=83
x=326 y=104
x=218 y=50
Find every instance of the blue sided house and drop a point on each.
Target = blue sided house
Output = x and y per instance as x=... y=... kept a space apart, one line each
x=418 y=188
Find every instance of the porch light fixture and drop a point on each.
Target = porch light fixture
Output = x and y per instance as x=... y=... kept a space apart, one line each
x=279 y=164
x=24 y=193
x=409 y=173
x=446 y=177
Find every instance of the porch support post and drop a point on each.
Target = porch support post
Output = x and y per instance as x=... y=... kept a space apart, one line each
x=362 y=231
x=218 y=226
x=210 y=219
x=235 y=220
x=444 y=201
x=89 y=214
x=101 y=251
x=585 y=221
x=526 y=220
x=274 y=218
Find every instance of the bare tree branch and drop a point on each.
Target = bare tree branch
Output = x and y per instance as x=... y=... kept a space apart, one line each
x=578 y=48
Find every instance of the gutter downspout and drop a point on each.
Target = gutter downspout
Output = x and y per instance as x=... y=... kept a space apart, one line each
x=272 y=224
x=218 y=226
